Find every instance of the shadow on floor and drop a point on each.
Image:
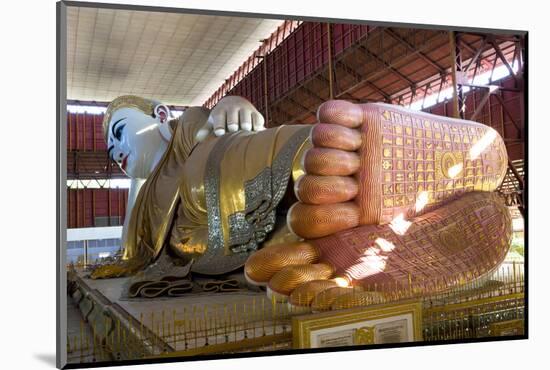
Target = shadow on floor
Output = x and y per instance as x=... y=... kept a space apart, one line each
x=47 y=358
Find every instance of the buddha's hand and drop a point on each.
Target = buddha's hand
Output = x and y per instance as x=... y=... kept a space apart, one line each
x=108 y=271
x=231 y=114
x=118 y=269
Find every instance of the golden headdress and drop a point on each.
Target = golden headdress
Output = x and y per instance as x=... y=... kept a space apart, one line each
x=147 y=106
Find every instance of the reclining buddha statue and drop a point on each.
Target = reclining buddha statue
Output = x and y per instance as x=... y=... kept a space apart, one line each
x=373 y=194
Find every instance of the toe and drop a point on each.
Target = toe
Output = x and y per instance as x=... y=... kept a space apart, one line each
x=340 y=112
x=315 y=221
x=336 y=137
x=262 y=265
x=313 y=189
x=304 y=294
x=357 y=299
x=324 y=300
x=323 y=161
x=290 y=277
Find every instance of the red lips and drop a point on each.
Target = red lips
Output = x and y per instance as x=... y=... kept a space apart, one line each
x=124 y=162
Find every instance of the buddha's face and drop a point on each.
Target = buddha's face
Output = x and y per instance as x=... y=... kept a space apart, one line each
x=134 y=141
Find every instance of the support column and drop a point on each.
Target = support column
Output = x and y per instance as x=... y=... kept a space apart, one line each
x=457 y=74
x=85 y=253
x=109 y=205
x=330 y=66
x=266 y=100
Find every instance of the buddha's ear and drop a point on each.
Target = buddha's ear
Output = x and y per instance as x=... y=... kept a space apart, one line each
x=162 y=112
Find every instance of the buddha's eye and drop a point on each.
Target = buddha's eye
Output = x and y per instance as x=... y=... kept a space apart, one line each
x=118 y=131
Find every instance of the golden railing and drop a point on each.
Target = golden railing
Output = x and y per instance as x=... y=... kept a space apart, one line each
x=245 y=326
x=483 y=308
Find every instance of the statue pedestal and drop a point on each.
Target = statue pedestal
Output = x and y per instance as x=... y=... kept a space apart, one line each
x=194 y=324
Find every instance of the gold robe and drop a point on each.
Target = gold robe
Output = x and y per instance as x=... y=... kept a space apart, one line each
x=215 y=202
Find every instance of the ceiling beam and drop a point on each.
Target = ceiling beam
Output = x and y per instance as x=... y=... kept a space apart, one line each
x=387 y=65
x=476 y=55
x=310 y=93
x=409 y=46
x=503 y=59
x=472 y=50
x=339 y=95
x=305 y=109
x=360 y=78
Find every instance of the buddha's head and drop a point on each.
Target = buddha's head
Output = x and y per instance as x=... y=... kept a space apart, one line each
x=136 y=129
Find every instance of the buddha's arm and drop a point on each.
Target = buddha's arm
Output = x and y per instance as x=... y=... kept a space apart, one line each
x=135 y=185
x=122 y=268
x=233 y=186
